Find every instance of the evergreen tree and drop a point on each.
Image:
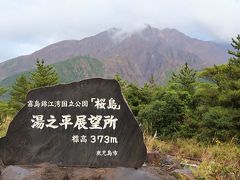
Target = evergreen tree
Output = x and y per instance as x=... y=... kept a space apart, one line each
x=227 y=78
x=2 y=91
x=45 y=75
x=4 y=107
x=135 y=95
x=185 y=79
x=235 y=59
x=232 y=82
x=221 y=115
x=164 y=114
x=19 y=92
x=184 y=84
x=3 y=104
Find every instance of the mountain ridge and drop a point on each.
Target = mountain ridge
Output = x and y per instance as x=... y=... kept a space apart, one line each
x=134 y=55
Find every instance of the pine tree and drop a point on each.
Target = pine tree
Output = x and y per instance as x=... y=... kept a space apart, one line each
x=19 y=92
x=2 y=91
x=45 y=75
x=232 y=83
x=222 y=117
x=235 y=59
x=5 y=109
x=227 y=77
x=3 y=104
x=185 y=79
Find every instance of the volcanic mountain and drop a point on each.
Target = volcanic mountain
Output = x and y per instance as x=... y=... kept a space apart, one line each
x=136 y=56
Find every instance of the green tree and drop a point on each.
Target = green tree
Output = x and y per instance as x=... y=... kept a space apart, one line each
x=184 y=79
x=19 y=92
x=184 y=84
x=235 y=59
x=2 y=91
x=219 y=107
x=123 y=84
x=227 y=78
x=3 y=104
x=45 y=75
x=165 y=114
x=136 y=96
x=5 y=110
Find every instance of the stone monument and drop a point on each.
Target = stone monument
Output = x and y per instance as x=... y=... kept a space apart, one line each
x=86 y=123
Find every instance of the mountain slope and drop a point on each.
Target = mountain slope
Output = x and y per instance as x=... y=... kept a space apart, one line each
x=74 y=69
x=136 y=56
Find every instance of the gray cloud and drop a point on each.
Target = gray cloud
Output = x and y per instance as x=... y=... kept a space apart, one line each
x=28 y=25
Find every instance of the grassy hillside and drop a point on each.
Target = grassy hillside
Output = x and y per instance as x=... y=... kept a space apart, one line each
x=74 y=69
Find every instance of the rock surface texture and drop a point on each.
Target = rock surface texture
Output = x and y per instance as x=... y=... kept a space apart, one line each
x=53 y=172
x=53 y=138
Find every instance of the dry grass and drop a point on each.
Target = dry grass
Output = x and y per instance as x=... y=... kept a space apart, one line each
x=189 y=148
x=220 y=161
x=155 y=144
x=180 y=147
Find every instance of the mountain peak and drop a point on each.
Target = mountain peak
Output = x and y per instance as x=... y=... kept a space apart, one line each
x=150 y=29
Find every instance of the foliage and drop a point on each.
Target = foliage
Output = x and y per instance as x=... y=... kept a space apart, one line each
x=19 y=92
x=185 y=79
x=2 y=91
x=161 y=109
x=123 y=84
x=163 y=115
x=235 y=59
x=45 y=75
x=5 y=110
x=4 y=125
x=136 y=96
x=219 y=99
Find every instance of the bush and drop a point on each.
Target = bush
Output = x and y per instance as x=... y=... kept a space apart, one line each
x=163 y=115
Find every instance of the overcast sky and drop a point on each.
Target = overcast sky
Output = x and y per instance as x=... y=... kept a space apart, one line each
x=28 y=25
